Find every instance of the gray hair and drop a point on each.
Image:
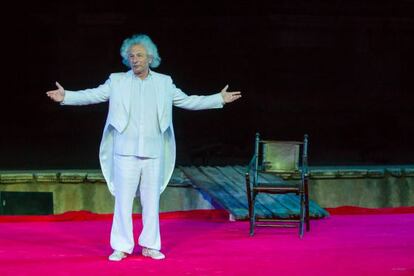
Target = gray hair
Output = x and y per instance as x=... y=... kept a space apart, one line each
x=147 y=43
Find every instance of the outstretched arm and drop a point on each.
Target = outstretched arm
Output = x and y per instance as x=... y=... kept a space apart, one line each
x=81 y=97
x=195 y=102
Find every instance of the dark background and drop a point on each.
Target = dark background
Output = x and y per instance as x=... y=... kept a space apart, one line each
x=340 y=71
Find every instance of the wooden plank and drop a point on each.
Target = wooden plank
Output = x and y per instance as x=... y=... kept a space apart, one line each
x=263 y=201
x=237 y=192
x=216 y=176
x=285 y=210
x=95 y=177
x=9 y=178
x=238 y=181
x=226 y=185
x=289 y=201
x=293 y=200
x=72 y=177
x=272 y=202
x=217 y=192
x=44 y=177
x=178 y=179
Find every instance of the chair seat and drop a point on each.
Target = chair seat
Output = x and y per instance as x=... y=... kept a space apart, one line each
x=278 y=183
x=278 y=190
x=277 y=187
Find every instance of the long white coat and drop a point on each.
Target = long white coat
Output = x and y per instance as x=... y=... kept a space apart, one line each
x=117 y=89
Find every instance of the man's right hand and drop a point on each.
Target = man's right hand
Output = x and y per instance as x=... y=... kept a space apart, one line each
x=58 y=94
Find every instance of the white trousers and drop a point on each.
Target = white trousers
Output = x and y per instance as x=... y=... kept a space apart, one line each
x=131 y=172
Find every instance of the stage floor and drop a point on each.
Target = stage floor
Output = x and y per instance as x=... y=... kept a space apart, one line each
x=207 y=243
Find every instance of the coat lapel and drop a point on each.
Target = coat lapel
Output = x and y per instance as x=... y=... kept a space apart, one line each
x=127 y=90
x=159 y=96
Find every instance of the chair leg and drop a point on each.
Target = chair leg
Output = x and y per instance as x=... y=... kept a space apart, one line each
x=301 y=214
x=250 y=204
x=307 y=216
x=253 y=215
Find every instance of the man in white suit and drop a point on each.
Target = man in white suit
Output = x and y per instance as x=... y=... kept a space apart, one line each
x=137 y=152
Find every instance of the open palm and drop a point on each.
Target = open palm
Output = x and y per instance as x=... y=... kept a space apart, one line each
x=229 y=97
x=57 y=95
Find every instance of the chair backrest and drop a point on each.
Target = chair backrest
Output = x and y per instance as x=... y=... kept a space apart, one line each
x=281 y=156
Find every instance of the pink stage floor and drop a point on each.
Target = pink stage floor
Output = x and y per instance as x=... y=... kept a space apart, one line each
x=352 y=241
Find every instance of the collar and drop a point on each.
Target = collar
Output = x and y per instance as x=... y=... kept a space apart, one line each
x=132 y=75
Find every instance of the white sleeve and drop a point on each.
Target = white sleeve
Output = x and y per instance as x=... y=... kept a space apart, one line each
x=194 y=102
x=88 y=96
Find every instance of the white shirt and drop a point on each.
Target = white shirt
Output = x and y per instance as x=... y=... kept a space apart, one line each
x=142 y=136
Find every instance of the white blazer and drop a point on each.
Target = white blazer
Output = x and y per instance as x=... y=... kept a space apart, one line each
x=117 y=89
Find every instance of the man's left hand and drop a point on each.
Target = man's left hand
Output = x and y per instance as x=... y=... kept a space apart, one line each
x=229 y=97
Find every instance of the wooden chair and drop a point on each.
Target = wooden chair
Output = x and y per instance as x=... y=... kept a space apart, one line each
x=279 y=158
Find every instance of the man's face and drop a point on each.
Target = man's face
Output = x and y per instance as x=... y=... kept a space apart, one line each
x=138 y=59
